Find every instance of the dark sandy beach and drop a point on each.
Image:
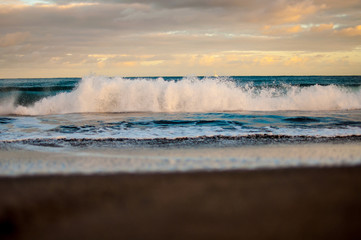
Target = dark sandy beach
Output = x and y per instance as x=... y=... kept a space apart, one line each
x=304 y=203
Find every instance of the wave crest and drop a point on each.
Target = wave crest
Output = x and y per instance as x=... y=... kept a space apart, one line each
x=105 y=94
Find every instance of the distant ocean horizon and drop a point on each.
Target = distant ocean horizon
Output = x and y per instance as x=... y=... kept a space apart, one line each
x=76 y=115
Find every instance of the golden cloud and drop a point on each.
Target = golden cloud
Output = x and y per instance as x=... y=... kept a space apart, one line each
x=294 y=13
x=351 y=31
x=67 y=6
x=296 y=60
x=282 y=30
x=322 y=27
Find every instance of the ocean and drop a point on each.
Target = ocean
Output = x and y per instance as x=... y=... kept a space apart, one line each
x=99 y=124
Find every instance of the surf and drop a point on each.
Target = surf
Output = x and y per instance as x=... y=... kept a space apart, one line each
x=101 y=94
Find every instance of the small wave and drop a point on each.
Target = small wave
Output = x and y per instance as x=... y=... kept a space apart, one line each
x=105 y=94
x=219 y=140
x=301 y=120
x=4 y=120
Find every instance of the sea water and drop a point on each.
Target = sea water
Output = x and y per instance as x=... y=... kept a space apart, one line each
x=112 y=124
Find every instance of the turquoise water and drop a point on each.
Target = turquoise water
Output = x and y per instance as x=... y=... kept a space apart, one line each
x=100 y=108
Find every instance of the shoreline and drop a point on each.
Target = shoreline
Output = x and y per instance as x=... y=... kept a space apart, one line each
x=33 y=160
x=287 y=203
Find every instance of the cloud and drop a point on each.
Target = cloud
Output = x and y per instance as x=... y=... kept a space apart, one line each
x=322 y=27
x=12 y=39
x=282 y=30
x=339 y=5
x=161 y=15
x=110 y=33
x=289 y=12
x=351 y=31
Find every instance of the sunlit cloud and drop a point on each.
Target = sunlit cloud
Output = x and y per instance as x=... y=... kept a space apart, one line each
x=351 y=31
x=291 y=13
x=322 y=27
x=68 y=6
x=282 y=30
x=162 y=37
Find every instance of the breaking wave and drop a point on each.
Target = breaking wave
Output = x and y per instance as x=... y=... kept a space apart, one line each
x=191 y=94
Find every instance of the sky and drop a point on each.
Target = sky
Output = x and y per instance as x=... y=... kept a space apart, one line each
x=74 y=38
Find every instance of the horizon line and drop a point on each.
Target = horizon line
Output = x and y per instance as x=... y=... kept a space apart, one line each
x=190 y=75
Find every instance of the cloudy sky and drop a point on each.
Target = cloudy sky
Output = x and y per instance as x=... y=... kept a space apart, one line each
x=66 y=38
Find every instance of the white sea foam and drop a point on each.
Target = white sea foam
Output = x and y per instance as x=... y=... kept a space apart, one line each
x=104 y=94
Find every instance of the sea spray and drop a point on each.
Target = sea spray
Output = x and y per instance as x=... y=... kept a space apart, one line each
x=190 y=94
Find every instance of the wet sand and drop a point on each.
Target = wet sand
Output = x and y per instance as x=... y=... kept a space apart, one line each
x=110 y=160
x=294 y=203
